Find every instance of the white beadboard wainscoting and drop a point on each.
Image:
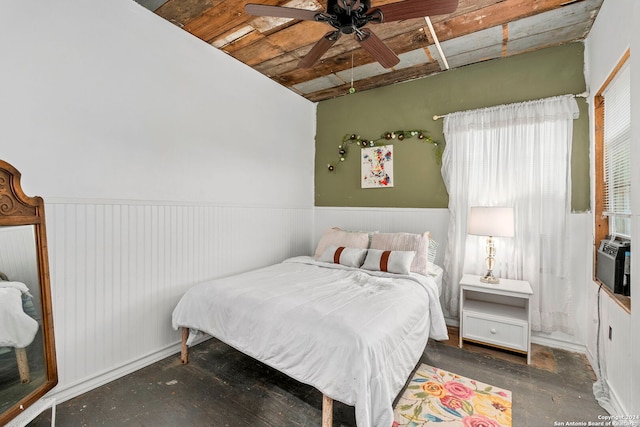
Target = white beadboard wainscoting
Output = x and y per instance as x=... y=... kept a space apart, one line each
x=118 y=268
x=612 y=361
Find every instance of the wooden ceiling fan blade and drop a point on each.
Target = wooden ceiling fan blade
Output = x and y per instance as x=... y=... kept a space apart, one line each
x=320 y=48
x=376 y=47
x=409 y=9
x=281 y=12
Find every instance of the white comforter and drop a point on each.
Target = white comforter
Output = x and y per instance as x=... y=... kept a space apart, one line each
x=17 y=329
x=353 y=334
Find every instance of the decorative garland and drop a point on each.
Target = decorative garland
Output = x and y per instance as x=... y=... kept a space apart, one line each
x=400 y=135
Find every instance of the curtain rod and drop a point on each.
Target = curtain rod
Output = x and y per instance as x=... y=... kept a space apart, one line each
x=579 y=95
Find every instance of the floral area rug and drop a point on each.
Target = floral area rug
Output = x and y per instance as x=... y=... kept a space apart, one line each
x=435 y=397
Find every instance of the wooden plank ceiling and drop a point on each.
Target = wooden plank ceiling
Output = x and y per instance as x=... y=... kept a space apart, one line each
x=478 y=30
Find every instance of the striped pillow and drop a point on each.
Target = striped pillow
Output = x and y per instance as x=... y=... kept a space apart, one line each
x=351 y=257
x=338 y=237
x=418 y=243
x=389 y=261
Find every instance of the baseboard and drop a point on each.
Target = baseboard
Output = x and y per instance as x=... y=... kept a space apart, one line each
x=617 y=406
x=69 y=391
x=561 y=344
x=452 y=322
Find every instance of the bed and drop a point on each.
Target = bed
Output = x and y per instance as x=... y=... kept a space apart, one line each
x=17 y=329
x=351 y=324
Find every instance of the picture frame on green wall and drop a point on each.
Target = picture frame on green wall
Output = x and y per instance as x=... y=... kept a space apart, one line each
x=377 y=166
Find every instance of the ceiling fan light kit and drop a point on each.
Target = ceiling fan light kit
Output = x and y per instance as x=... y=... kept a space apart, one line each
x=350 y=16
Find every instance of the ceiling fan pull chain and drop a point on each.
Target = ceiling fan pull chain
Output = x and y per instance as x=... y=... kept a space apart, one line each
x=352 y=89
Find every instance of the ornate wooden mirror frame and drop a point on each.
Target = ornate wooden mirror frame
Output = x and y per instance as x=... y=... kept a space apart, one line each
x=17 y=209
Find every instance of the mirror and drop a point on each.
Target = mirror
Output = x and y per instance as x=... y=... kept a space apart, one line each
x=27 y=350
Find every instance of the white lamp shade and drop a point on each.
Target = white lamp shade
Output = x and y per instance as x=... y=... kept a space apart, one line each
x=491 y=221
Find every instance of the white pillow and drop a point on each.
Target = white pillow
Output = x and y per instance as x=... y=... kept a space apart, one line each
x=351 y=257
x=418 y=243
x=338 y=237
x=389 y=261
x=16 y=285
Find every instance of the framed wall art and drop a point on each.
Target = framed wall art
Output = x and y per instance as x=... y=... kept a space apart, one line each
x=377 y=166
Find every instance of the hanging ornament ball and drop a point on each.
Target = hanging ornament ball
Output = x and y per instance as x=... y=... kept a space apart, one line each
x=353 y=136
x=365 y=142
x=371 y=143
x=400 y=136
x=330 y=167
x=421 y=135
x=352 y=89
x=342 y=159
x=387 y=135
x=341 y=151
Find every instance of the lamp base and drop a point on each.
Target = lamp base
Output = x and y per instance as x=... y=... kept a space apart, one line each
x=489 y=278
x=490 y=260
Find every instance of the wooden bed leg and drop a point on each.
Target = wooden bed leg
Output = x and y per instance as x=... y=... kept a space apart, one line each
x=327 y=411
x=184 y=352
x=23 y=365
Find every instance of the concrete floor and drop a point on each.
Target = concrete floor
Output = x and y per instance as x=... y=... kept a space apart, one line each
x=222 y=387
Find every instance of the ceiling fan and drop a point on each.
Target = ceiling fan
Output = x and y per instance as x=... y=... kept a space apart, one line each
x=350 y=16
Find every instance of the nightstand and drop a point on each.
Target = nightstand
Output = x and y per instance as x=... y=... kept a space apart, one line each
x=498 y=315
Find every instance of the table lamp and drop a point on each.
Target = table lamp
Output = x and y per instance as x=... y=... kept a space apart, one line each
x=491 y=222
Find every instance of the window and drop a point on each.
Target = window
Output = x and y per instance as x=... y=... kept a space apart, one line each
x=617 y=152
x=612 y=108
x=613 y=154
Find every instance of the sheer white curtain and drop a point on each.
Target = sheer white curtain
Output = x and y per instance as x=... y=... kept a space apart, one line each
x=519 y=156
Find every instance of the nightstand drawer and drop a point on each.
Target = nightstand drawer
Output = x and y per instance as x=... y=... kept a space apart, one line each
x=494 y=330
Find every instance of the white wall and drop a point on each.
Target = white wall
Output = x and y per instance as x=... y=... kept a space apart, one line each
x=162 y=162
x=614 y=31
x=126 y=103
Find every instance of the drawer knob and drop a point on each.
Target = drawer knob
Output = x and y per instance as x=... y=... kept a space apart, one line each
x=493 y=330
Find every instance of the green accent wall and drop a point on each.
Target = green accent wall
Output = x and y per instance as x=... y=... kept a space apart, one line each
x=411 y=105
